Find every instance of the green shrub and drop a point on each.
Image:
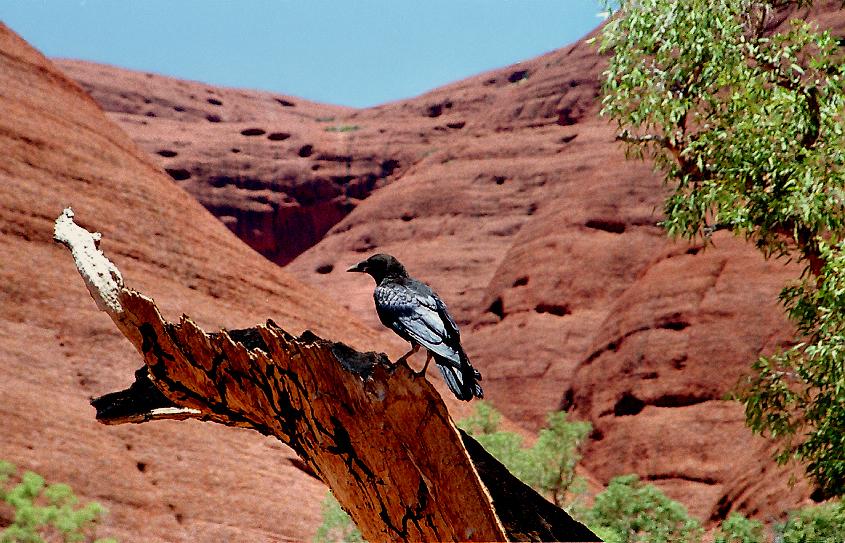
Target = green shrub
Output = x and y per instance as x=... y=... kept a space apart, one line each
x=485 y=419
x=343 y=128
x=548 y=466
x=628 y=511
x=506 y=447
x=337 y=525
x=816 y=524
x=45 y=512
x=739 y=529
x=555 y=456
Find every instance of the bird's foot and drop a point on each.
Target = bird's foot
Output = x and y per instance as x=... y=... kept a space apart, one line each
x=404 y=357
x=421 y=373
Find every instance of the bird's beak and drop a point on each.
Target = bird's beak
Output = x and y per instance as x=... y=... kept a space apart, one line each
x=359 y=267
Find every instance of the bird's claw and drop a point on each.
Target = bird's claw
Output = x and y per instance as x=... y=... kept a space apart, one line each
x=421 y=373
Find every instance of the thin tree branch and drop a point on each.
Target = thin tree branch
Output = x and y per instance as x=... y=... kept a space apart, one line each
x=627 y=137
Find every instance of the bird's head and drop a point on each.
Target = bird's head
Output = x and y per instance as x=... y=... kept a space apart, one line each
x=380 y=266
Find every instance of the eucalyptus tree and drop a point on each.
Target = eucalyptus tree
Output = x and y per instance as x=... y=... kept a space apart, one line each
x=741 y=109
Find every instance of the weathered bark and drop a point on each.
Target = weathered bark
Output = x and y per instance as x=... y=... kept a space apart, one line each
x=377 y=434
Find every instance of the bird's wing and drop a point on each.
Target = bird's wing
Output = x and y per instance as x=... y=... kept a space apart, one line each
x=451 y=325
x=413 y=310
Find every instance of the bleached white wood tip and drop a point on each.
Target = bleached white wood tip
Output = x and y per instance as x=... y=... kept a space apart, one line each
x=102 y=278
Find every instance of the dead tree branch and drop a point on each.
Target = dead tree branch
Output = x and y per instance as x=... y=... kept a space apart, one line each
x=378 y=435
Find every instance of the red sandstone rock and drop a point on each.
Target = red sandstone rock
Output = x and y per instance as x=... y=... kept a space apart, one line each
x=279 y=171
x=161 y=482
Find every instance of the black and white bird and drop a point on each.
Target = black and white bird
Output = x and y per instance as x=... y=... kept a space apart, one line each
x=417 y=314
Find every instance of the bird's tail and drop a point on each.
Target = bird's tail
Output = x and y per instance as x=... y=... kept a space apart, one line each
x=463 y=380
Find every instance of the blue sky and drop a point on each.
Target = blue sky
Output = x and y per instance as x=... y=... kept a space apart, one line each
x=350 y=52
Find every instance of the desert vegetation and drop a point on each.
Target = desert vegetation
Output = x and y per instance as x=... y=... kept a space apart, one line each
x=32 y=511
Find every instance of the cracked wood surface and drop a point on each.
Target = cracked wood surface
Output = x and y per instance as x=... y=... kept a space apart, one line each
x=378 y=436
x=376 y=433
